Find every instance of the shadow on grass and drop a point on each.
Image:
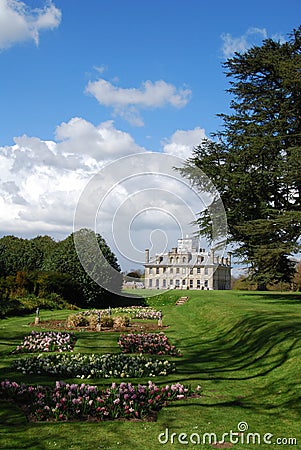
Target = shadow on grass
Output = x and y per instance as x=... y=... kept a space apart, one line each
x=275 y=298
x=258 y=347
x=252 y=347
x=97 y=342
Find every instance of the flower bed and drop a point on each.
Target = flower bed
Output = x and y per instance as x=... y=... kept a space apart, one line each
x=48 y=341
x=83 y=402
x=153 y=343
x=82 y=365
x=142 y=312
x=136 y=312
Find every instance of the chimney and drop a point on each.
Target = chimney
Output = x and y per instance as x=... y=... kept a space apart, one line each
x=229 y=258
x=147 y=256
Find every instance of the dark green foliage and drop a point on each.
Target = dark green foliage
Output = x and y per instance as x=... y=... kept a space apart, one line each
x=41 y=267
x=65 y=259
x=29 y=304
x=17 y=254
x=254 y=162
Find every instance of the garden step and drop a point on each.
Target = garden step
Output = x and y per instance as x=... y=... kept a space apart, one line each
x=182 y=300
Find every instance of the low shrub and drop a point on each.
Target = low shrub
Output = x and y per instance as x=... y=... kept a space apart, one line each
x=91 y=319
x=20 y=306
x=106 y=321
x=121 y=321
x=77 y=320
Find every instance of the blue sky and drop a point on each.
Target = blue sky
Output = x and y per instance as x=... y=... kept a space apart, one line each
x=84 y=83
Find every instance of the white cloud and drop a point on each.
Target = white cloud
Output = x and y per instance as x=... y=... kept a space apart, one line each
x=102 y=142
x=182 y=142
x=100 y=69
x=127 y=102
x=20 y=23
x=41 y=181
x=242 y=43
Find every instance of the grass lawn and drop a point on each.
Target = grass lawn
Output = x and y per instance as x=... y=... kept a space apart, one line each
x=243 y=348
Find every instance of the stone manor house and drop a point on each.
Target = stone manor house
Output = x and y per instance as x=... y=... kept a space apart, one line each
x=187 y=267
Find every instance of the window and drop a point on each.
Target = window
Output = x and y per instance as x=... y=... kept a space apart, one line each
x=191 y=284
x=157 y=283
x=198 y=284
x=184 y=259
x=164 y=283
x=171 y=270
x=171 y=260
x=198 y=270
x=191 y=272
x=206 y=270
x=177 y=270
x=183 y=270
x=206 y=283
x=171 y=282
x=184 y=282
x=177 y=283
x=164 y=269
x=157 y=270
x=150 y=283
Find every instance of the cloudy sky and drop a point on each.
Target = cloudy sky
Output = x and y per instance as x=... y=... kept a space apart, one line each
x=87 y=83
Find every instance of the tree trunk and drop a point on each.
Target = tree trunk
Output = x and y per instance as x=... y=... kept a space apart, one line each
x=261 y=287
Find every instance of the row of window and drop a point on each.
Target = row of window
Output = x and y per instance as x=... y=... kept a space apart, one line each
x=183 y=270
x=182 y=260
x=178 y=283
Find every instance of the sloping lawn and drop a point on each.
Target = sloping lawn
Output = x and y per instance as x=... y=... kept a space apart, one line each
x=243 y=348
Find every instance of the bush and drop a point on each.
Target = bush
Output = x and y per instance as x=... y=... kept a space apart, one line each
x=121 y=321
x=25 y=305
x=93 y=320
x=89 y=320
x=106 y=321
x=77 y=320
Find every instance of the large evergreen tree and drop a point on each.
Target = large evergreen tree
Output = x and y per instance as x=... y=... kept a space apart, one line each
x=254 y=161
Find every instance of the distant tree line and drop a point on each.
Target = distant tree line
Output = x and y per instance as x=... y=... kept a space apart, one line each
x=244 y=283
x=43 y=268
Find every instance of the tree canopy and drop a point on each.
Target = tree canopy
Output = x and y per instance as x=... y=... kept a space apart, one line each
x=65 y=259
x=42 y=266
x=254 y=161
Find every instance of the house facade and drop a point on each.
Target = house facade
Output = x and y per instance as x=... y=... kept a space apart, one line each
x=187 y=267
